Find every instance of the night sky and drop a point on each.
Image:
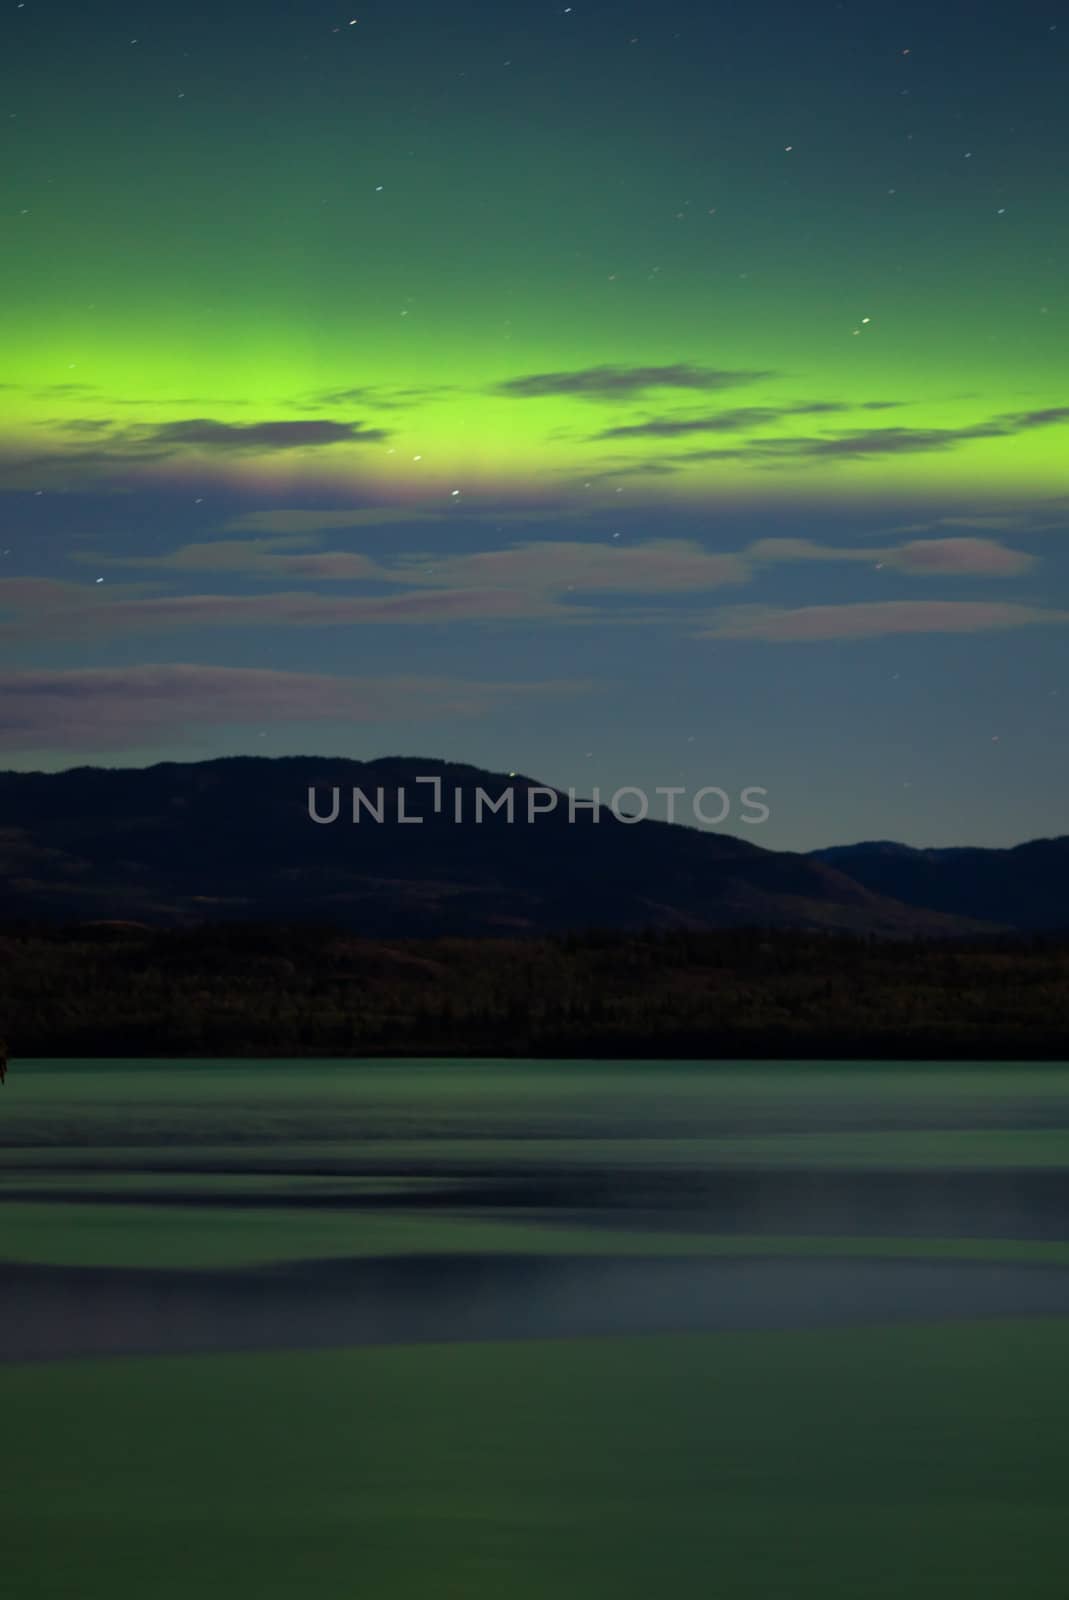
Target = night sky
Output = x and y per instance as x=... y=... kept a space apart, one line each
x=625 y=394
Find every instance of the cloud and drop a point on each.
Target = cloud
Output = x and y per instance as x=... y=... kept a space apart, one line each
x=652 y=567
x=301 y=521
x=537 y=581
x=23 y=597
x=109 y=446
x=727 y=421
x=1021 y=420
x=538 y=568
x=657 y=566
x=637 y=469
x=344 y=397
x=981 y=558
x=247 y=556
x=206 y=433
x=809 y=624
x=864 y=443
x=124 y=610
x=877 y=441
x=623 y=383
x=109 y=709
x=382 y=396
x=1011 y=521
x=1021 y=520
x=316 y=566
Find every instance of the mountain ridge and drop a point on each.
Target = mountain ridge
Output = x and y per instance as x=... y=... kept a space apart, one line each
x=230 y=838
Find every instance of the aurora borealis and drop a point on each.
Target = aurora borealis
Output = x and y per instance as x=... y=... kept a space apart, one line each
x=634 y=395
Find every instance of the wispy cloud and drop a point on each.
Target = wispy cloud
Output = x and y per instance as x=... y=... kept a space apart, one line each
x=207 y=433
x=89 y=709
x=109 y=444
x=96 y=611
x=736 y=420
x=877 y=441
x=624 y=383
x=1021 y=420
x=310 y=521
x=542 y=567
x=656 y=566
x=1020 y=520
x=540 y=581
x=286 y=554
x=866 y=443
x=980 y=558
x=873 y=620
x=381 y=396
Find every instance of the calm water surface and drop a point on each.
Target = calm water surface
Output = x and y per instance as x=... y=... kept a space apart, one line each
x=910 y=1152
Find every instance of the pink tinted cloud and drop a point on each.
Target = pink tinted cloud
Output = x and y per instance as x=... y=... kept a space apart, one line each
x=978 y=558
x=981 y=558
x=81 y=610
x=542 y=567
x=106 y=708
x=658 y=566
x=875 y=619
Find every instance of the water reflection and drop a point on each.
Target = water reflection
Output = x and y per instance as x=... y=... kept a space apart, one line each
x=999 y=1203
x=48 y=1313
x=650 y=1147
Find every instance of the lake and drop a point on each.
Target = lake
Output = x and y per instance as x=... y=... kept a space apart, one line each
x=865 y=1266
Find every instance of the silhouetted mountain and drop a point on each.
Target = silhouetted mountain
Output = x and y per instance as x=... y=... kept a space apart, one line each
x=1024 y=887
x=232 y=839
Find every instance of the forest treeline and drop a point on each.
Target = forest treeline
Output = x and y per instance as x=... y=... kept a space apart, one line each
x=255 y=990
